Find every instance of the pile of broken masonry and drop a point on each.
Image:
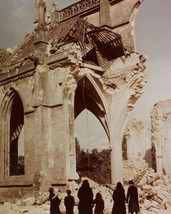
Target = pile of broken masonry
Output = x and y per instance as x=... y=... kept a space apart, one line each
x=154 y=189
x=154 y=193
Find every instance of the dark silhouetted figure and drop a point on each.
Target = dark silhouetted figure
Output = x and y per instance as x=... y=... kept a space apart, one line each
x=132 y=198
x=85 y=196
x=54 y=202
x=99 y=204
x=119 y=199
x=69 y=203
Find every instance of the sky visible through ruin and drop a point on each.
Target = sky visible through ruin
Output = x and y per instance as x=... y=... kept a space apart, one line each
x=153 y=38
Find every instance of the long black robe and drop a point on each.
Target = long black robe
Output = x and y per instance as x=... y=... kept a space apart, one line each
x=85 y=196
x=132 y=198
x=119 y=199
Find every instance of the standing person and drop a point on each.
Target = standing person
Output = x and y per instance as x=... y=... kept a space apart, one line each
x=132 y=198
x=99 y=204
x=119 y=199
x=69 y=203
x=85 y=195
x=54 y=202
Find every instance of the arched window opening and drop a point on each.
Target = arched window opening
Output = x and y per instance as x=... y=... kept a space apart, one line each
x=92 y=148
x=16 y=148
x=90 y=133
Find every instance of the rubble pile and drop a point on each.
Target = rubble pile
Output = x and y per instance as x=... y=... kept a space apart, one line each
x=34 y=205
x=18 y=209
x=154 y=189
x=134 y=170
x=154 y=196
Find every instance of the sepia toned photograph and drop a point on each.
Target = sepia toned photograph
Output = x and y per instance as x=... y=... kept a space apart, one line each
x=85 y=107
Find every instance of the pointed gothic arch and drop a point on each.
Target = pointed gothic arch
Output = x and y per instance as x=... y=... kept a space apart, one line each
x=87 y=97
x=90 y=98
x=12 y=115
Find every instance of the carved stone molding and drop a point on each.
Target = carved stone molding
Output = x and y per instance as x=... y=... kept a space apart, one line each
x=19 y=72
x=78 y=8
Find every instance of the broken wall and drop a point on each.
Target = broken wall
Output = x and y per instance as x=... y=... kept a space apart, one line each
x=161 y=137
x=138 y=140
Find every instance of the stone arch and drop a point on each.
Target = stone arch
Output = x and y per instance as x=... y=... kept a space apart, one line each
x=88 y=96
x=12 y=120
x=74 y=104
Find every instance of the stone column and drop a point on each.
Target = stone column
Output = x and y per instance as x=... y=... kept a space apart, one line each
x=60 y=136
x=43 y=148
x=129 y=83
x=119 y=123
x=69 y=93
x=116 y=163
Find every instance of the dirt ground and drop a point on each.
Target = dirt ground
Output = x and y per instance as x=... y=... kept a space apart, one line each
x=9 y=208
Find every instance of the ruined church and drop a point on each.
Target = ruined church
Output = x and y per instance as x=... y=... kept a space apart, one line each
x=80 y=57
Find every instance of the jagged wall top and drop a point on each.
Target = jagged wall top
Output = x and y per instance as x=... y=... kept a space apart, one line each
x=119 y=15
x=51 y=21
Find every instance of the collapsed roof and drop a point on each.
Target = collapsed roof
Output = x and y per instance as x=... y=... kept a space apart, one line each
x=99 y=45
